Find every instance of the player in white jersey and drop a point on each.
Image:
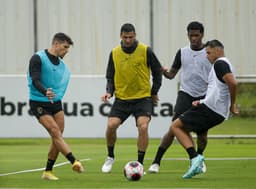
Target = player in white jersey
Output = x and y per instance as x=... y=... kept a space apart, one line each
x=195 y=68
x=210 y=111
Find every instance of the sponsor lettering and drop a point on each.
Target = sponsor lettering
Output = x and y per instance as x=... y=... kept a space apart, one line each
x=74 y=109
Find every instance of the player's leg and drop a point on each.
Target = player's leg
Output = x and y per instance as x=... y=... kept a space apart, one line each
x=52 y=156
x=53 y=151
x=142 y=141
x=113 y=124
x=118 y=114
x=183 y=136
x=55 y=132
x=201 y=145
x=111 y=136
x=201 y=142
x=53 y=129
x=39 y=110
x=183 y=103
x=164 y=145
x=199 y=120
x=142 y=111
x=76 y=165
x=47 y=121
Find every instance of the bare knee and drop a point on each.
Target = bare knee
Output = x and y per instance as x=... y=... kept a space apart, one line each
x=55 y=132
x=113 y=124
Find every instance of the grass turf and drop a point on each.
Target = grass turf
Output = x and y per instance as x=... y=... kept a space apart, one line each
x=26 y=154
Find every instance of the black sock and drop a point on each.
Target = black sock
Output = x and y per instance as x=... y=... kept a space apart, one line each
x=159 y=155
x=200 y=151
x=111 y=151
x=141 y=155
x=70 y=157
x=49 y=164
x=191 y=152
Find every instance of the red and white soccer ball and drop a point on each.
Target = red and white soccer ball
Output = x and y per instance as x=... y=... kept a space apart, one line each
x=133 y=170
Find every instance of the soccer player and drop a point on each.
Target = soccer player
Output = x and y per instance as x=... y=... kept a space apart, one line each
x=195 y=69
x=212 y=110
x=128 y=78
x=48 y=78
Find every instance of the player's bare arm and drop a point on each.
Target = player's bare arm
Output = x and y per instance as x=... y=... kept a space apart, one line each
x=169 y=74
x=232 y=84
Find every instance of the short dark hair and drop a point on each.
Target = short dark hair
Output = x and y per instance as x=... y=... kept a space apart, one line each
x=127 y=27
x=214 y=43
x=62 y=37
x=195 y=26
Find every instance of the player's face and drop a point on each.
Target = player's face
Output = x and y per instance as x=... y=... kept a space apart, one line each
x=211 y=54
x=128 y=38
x=61 y=49
x=195 y=38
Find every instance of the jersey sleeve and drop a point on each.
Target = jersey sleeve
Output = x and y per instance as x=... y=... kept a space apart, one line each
x=35 y=73
x=155 y=67
x=110 y=88
x=221 y=68
x=177 y=60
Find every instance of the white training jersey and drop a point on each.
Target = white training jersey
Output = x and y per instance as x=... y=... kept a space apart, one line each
x=218 y=97
x=195 y=70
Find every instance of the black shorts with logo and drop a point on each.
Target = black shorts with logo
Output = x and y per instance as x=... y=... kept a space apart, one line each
x=138 y=107
x=42 y=108
x=201 y=118
x=183 y=103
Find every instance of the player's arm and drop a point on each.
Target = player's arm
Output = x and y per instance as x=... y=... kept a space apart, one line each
x=155 y=67
x=225 y=75
x=35 y=73
x=110 y=88
x=232 y=85
x=171 y=73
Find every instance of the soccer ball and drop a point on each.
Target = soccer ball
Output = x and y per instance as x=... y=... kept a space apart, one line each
x=133 y=170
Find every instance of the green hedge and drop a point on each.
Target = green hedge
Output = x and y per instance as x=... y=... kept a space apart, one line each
x=246 y=99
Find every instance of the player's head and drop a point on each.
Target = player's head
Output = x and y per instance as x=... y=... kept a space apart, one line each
x=195 y=31
x=60 y=44
x=128 y=34
x=214 y=50
x=61 y=38
x=195 y=26
x=214 y=44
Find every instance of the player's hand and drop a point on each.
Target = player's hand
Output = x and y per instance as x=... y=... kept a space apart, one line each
x=50 y=94
x=234 y=109
x=196 y=103
x=106 y=97
x=155 y=99
x=164 y=69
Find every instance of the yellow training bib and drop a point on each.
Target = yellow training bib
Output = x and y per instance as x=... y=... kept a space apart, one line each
x=132 y=74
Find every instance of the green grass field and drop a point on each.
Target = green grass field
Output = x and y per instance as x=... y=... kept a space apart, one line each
x=231 y=163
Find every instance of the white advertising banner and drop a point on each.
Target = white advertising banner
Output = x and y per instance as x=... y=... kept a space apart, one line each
x=85 y=114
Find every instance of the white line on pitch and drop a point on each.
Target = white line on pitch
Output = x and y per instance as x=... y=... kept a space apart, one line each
x=40 y=169
x=218 y=159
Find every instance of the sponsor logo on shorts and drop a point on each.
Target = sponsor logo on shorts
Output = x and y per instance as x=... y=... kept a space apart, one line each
x=39 y=110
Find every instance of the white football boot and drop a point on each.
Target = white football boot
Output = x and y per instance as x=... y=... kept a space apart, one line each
x=107 y=166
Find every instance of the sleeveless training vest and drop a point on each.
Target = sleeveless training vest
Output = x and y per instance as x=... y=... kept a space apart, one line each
x=194 y=71
x=132 y=74
x=52 y=76
x=218 y=96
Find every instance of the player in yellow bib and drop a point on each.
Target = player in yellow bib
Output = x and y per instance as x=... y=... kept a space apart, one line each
x=128 y=74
